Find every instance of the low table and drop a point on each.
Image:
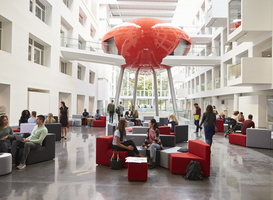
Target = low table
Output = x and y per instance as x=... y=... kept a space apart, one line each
x=165 y=156
x=5 y=163
x=137 y=171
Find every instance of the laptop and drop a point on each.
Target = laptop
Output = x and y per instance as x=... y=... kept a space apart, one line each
x=19 y=138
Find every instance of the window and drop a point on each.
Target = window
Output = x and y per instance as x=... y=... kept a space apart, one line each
x=79 y=44
x=1 y=35
x=39 y=9
x=80 y=19
x=64 y=67
x=91 y=77
x=66 y=2
x=79 y=72
x=38 y=52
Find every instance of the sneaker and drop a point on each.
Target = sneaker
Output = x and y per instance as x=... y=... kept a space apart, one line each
x=21 y=166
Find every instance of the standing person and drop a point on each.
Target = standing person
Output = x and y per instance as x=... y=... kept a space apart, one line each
x=34 y=141
x=132 y=107
x=173 y=121
x=215 y=111
x=32 y=119
x=6 y=134
x=209 y=121
x=197 y=117
x=24 y=117
x=111 y=110
x=63 y=118
x=119 y=140
x=248 y=124
x=120 y=110
x=153 y=142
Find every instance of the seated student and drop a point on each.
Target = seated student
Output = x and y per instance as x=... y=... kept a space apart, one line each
x=32 y=118
x=85 y=115
x=222 y=116
x=6 y=134
x=153 y=142
x=173 y=121
x=235 y=116
x=136 y=119
x=34 y=141
x=24 y=117
x=96 y=117
x=127 y=117
x=241 y=117
x=50 y=119
x=248 y=124
x=119 y=140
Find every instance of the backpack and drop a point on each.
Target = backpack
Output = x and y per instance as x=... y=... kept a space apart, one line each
x=117 y=110
x=193 y=171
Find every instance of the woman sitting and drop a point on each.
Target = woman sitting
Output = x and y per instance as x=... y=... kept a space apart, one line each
x=24 y=117
x=241 y=117
x=173 y=121
x=6 y=134
x=153 y=142
x=235 y=116
x=222 y=116
x=136 y=119
x=50 y=119
x=119 y=140
x=127 y=117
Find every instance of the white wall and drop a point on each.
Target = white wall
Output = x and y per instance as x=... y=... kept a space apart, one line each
x=39 y=102
x=5 y=98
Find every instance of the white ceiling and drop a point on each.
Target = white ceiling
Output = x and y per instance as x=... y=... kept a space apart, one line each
x=177 y=12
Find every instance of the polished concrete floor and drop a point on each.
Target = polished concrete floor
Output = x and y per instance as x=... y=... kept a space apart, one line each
x=236 y=173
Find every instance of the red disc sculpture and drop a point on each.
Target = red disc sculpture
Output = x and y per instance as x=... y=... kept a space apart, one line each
x=145 y=42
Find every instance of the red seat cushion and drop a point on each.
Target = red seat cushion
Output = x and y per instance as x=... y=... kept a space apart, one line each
x=101 y=122
x=238 y=139
x=15 y=130
x=137 y=171
x=220 y=125
x=172 y=134
x=164 y=130
x=129 y=129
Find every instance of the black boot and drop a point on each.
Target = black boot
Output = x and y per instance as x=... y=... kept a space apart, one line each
x=152 y=166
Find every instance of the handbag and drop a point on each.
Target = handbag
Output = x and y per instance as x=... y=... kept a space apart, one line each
x=115 y=163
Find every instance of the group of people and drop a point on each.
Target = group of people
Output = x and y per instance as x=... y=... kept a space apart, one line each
x=210 y=125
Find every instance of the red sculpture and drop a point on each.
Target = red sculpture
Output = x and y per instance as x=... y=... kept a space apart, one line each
x=145 y=42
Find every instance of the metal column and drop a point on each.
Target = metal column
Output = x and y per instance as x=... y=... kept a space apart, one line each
x=119 y=86
x=156 y=95
x=172 y=91
x=135 y=89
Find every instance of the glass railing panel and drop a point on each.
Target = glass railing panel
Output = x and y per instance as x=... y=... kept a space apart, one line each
x=203 y=87
x=234 y=71
x=209 y=85
x=217 y=83
x=234 y=15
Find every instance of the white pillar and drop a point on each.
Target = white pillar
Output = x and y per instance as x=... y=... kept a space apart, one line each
x=135 y=89
x=201 y=105
x=236 y=102
x=156 y=95
x=206 y=82
x=119 y=86
x=172 y=91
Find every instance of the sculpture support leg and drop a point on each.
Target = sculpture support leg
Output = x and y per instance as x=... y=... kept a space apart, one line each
x=119 y=86
x=135 y=89
x=156 y=95
x=172 y=92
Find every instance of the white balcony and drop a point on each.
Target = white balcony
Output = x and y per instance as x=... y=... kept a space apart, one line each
x=217 y=14
x=248 y=19
x=251 y=71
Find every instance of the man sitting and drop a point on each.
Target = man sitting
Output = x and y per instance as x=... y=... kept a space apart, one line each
x=248 y=124
x=96 y=117
x=85 y=115
x=34 y=141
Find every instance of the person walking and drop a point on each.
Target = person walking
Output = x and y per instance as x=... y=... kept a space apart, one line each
x=111 y=111
x=197 y=117
x=120 y=110
x=209 y=121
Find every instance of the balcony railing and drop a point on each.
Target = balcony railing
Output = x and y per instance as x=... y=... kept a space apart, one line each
x=234 y=71
x=203 y=87
x=145 y=93
x=217 y=83
x=209 y=85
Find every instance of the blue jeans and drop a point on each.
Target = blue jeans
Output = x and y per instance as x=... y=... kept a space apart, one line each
x=111 y=114
x=208 y=139
x=196 y=123
x=153 y=149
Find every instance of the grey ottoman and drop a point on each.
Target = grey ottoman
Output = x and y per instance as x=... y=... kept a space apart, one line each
x=71 y=122
x=131 y=124
x=77 y=122
x=111 y=128
x=146 y=124
x=5 y=163
x=165 y=156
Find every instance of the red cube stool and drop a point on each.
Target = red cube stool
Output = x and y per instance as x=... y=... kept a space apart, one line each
x=238 y=139
x=15 y=130
x=137 y=171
